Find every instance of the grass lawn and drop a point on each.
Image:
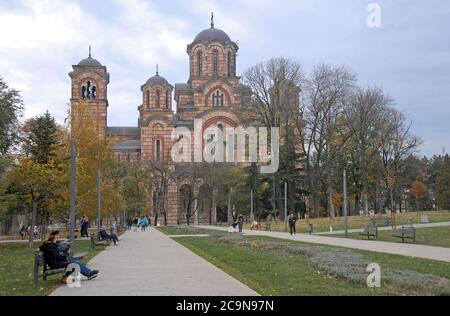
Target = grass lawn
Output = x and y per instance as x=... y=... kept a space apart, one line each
x=277 y=272
x=16 y=269
x=355 y=222
x=436 y=236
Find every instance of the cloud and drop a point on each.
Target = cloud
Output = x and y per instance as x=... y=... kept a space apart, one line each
x=409 y=56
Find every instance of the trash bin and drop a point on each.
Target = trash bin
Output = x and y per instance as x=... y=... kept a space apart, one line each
x=424 y=219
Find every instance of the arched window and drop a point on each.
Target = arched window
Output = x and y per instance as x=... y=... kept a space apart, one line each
x=88 y=91
x=148 y=99
x=158 y=150
x=215 y=62
x=158 y=99
x=167 y=99
x=229 y=69
x=218 y=98
x=199 y=63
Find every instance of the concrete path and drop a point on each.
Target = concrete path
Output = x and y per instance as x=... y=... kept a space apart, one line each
x=409 y=250
x=418 y=226
x=152 y=264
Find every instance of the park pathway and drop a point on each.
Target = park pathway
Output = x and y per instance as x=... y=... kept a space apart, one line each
x=409 y=250
x=418 y=226
x=152 y=264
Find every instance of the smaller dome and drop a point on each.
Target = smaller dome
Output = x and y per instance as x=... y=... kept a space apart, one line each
x=212 y=35
x=90 y=62
x=157 y=80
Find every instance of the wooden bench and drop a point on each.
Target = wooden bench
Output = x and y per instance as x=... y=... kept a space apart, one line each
x=39 y=261
x=406 y=233
x=380 y=220
x=370 y=231
x=96 y=241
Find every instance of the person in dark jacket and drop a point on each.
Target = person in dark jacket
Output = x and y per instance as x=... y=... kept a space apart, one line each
x=84 y=226
x=241 y=222
x=57 y=259
x=105 y=236
x=292 y=221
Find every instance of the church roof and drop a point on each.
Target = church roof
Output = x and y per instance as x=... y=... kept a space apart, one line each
x=157 y=80
x=123 y=131
x=212 y=35
x=128 y=145
x=90 y=62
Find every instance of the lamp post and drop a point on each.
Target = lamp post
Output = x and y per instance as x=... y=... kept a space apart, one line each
x=345 y=204
x=252 y=215
x=73 y=189
x=99 y=199
x=285 y=207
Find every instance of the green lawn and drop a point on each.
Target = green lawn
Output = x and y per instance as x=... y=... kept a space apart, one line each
x=355 y=222
x=273 y=271
x=436 y=236
x=16 y=269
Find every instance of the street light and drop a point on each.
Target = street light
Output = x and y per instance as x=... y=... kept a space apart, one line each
x=345 y=204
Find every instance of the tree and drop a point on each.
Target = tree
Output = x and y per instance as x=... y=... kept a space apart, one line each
x=162 y=176
x=367 y=115
x=275 y=87
x=443 y=185
x=418 y=189
x=33 y=180
x=11 y=109
x=41 y=138
x=400 y=145
x=321 y=129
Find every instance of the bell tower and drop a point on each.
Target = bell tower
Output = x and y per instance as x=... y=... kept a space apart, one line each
x=89 y=101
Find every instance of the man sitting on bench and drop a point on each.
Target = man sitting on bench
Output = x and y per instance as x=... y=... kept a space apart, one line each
x=56 y=259
x=105 y=236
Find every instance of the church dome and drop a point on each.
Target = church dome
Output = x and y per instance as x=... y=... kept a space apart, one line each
x=212 y=35
x=90 y=62
x=157 y=80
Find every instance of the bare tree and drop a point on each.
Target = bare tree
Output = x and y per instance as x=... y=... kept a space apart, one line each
x=395 y=150
x=276 y=86
x=368 y=116
x=190 y=176
x=162 y=176
x=319 y=126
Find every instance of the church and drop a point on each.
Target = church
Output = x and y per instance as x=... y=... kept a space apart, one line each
x=212 y=93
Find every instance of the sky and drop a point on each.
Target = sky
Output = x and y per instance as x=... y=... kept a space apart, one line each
x=408 y=55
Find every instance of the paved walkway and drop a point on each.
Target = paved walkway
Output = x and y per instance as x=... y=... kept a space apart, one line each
x=418 y=226
x=152 y=264
x=409 y=250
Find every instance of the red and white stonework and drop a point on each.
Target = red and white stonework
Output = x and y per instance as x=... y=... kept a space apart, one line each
x=212 y=93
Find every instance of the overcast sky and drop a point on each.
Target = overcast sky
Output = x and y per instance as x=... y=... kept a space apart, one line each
x=408 y=56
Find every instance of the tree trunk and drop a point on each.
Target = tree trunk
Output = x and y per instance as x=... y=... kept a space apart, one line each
x=365 y=194
x=279 y=197
x=330 y=203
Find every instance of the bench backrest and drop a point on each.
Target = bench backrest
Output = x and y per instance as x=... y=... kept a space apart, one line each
x=371 y=230
x=407 y=230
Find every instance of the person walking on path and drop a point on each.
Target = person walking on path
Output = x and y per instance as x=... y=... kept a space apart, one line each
x=135 y=224
x=84 y=226
x=292 y=222
x=143 y=224
x=241 y=222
